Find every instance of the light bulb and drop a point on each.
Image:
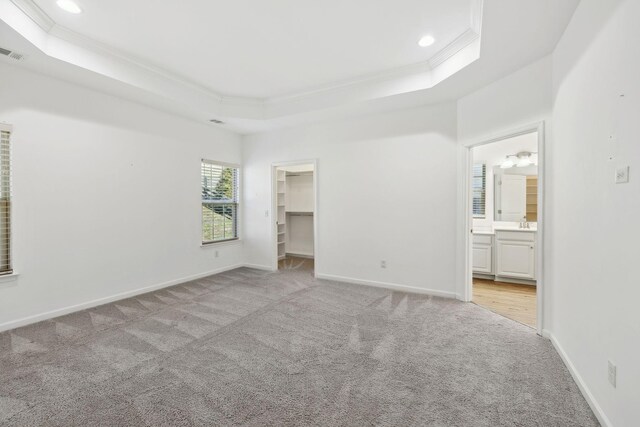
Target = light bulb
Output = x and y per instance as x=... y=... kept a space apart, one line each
x=507 y=163
x=69 y=6
x=426 y=41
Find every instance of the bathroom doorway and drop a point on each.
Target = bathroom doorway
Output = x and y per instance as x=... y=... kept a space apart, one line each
x=505 y=220
x=295 y=216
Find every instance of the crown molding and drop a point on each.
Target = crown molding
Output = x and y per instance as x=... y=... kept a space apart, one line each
x=462 y=41
x=90 y=44
x=411 y=69
x=36 y=14
x=64 y=44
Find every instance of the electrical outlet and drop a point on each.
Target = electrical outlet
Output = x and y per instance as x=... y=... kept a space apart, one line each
x=622 y=175
x=612 y=373
x=383 y=264
x=216 y=254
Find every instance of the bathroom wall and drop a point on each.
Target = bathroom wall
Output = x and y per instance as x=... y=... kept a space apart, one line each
x=493 y=155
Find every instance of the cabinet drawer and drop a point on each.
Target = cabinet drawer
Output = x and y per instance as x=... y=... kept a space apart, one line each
x=482 y=239
x=521 y=236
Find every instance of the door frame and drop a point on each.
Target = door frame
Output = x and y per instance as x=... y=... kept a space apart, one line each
x=467 y=206
x=274 y=211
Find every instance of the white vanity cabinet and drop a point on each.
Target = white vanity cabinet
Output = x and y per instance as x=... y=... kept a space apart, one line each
x=483 y=253
x=516 y=254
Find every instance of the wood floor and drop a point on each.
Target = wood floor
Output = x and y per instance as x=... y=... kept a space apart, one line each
x=517 y=302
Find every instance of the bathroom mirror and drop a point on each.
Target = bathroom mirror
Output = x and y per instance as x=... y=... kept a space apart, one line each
x=516 y=194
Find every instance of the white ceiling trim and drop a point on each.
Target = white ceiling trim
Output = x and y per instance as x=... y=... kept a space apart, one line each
x=462 y=41
x=56 y=41
x=34 y=12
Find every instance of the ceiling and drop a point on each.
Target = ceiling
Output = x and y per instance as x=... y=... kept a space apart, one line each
x=265 y=65
x=264 y=49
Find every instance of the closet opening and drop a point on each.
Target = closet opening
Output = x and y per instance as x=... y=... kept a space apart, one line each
x=295 y=216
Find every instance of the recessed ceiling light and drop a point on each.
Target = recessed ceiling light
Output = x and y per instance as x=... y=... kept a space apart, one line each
x=69 y=6
x=426 y=41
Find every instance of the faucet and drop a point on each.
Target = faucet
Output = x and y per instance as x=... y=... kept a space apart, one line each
x=524 y=223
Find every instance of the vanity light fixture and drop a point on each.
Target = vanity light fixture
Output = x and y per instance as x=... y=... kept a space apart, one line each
x=524 y=160
x=521 y=160
x=69 y=6
x=508 y=163
x=426 y=41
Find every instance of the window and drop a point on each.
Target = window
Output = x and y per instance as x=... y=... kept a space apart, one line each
x=479 y=189
x=219 y=202
x=5 y=201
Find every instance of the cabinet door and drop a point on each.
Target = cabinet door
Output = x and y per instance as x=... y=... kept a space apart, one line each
x=482 y=259
x=516 y=259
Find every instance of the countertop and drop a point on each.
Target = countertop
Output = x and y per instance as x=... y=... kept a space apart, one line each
x=492 y=232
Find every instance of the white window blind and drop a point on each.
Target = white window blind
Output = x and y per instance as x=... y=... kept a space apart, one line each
x=5 y=202
x=479 y=189
x=219 y=202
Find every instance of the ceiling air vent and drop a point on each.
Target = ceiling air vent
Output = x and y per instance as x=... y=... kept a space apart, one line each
x=11 y=54
x=216 y=121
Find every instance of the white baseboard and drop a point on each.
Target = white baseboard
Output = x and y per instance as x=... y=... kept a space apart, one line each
x=101 y=301
x=392 y=286
x=595 y=407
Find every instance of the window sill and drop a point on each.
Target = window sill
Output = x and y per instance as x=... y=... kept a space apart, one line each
x=220 y=243
x=7 y=279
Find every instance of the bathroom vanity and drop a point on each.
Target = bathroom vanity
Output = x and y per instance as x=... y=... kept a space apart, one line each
x=505 y=254
x=505 y=232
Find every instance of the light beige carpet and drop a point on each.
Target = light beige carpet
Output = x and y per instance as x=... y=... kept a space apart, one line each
x=254 y=348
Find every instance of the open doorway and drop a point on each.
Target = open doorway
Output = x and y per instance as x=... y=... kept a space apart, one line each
x=295 y=216
x=506 y=211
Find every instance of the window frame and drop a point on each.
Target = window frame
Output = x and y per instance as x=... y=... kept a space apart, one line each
x=10 y=272
x=482 y=215
x=236 y=203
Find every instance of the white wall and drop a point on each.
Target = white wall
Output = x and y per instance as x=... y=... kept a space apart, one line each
x=521 y=98
x=594 y=250
x=387 y=191
x=299 y=193
x=106 y=195
x=299 y=235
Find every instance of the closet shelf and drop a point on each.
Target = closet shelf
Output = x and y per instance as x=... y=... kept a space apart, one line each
x=300 y=212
